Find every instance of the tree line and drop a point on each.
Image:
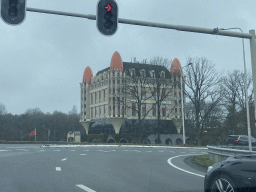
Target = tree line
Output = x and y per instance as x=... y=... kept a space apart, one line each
x=55 y=125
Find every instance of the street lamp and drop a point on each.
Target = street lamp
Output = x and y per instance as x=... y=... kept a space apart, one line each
x=246 y=91
x=182 y=104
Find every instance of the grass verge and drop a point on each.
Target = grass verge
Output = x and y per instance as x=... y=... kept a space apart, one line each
x=205 y=161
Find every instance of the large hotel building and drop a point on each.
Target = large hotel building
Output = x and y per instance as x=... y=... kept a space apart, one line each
x=113 y=94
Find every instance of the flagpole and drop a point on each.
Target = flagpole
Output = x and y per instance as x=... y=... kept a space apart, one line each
x=35 y=134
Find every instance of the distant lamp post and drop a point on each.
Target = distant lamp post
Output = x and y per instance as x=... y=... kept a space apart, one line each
x=182 y=104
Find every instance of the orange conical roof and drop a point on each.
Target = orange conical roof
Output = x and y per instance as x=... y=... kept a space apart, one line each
x=175 y=67
x=116 y=62
x=87 y=75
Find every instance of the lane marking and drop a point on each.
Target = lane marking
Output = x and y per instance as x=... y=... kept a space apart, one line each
x=125 y=150
x=86 y=150
x=182 y=152
x=82 y=154
x=72 y=150
x=56 y=150
x=4 y=150
x=85 y=188
x=22 y=149
x=170 y=163
x=148 y=151
x=40 y=150
x=64 y=159
x=99 y=150
x=58 y=168
x=112 y=150
x=160 y=151
x=106 y=151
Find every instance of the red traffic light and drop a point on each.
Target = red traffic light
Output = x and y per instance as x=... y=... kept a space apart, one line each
x=109 y=6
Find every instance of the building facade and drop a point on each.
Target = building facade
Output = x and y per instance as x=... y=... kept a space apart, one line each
x=131 y=91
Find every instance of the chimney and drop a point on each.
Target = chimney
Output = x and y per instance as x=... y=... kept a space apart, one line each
x=134 y=59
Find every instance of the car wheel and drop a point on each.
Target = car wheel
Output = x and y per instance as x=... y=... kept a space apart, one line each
x=223 y=183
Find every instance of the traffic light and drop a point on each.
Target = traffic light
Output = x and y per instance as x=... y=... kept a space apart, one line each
x=107 y=17
x=13 y=12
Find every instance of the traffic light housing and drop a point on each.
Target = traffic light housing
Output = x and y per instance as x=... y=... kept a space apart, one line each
x=13 y=12
x=107 y=17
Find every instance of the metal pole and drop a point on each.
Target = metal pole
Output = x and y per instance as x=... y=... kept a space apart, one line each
x=21 y=135
x=35 y=134
x=253 y=61
x=182 y=109
x=150 y=24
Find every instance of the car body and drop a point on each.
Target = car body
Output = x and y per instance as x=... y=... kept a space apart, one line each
x=237 y=172
x=239 y=140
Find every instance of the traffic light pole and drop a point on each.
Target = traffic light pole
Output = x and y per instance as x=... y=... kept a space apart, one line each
x=216 y=31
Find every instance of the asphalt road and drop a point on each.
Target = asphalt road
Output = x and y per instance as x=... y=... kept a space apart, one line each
x=29 y=168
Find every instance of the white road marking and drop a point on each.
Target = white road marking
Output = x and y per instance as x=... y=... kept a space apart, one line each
x=64 y=159
x=85 y=188
x=170 y=162
x=72 y=150
x=4 y=150
x=56 y=150
x=86 y=150
x=40 y=150
x=99 y=150
x=58 y=168
x=160 y=151
x=125 y=150
x=182 y=152
x=148 y=151
x=106 y=151
x=112 y=150
x=22 y=149
x=82 y=154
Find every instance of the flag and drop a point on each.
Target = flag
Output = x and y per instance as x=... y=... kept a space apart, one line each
x=32 y=133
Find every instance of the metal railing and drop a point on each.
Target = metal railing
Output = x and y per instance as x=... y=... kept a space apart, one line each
x=226 y=151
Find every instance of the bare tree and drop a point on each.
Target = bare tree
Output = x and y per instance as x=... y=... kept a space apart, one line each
x=161 y=91
x=158 y=61
x=203 y=83
x=134 y=95
x=234 y=99
x=3 y=110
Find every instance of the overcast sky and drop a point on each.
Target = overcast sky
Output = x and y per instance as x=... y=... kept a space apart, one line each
x=43 y=59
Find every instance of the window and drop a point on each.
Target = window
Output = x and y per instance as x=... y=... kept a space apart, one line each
x=91 y=98
x=163 y=110
x=99 y=96
x=104 y=93
x=109 y=111
x=95 y=97
x=163 y=93
x=143 y=105
x=133 y=109
x=95 y=112
x=154 y=109
x=153 y=93
x=143 y=93
x=114 y=112
x=91 y=113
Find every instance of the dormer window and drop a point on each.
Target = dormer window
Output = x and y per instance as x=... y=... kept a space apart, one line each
x=132 y=72
x=142 y=73
x=162 y=74
x=152 y=73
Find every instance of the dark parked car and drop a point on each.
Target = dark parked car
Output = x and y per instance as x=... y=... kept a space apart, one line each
x=235 y=174
x=239 y=140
